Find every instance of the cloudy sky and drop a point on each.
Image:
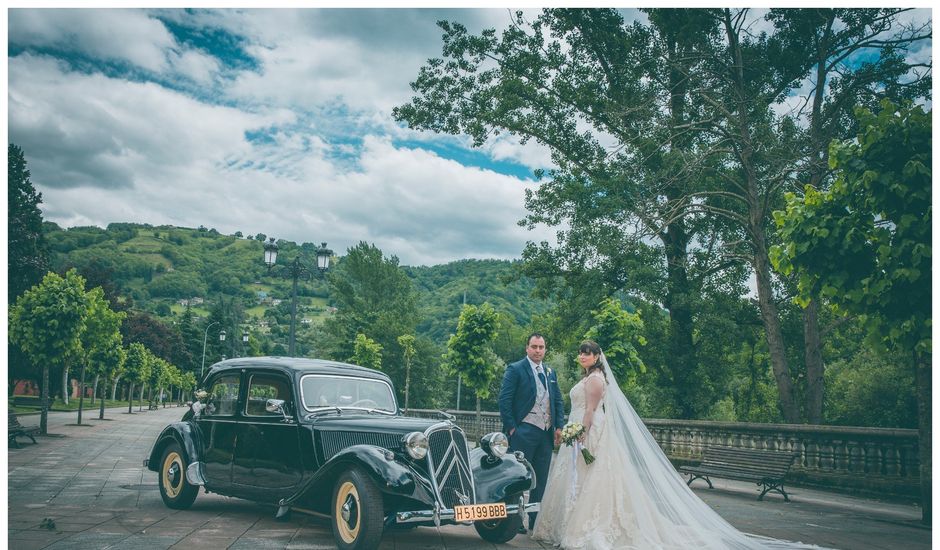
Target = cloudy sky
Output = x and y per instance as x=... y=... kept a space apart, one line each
x=271 y=121
x=262 y=121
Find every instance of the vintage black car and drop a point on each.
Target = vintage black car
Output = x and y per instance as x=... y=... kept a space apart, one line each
x=328 y=438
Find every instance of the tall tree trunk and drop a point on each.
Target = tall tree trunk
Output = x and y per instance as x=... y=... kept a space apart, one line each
x=681 y=351
x=479 y=417
x=94 y=389
x=925 y=433
x=407 y=381
x=757 y=215
x=130 y=398
x=104 y=394
x=676 y=237
x=44 y=400
x=66 y=387
x=771 y=318
x=815 y=369
x=114 y=387
x=81 y=393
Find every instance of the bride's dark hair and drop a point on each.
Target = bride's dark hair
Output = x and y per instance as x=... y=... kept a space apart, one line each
x=590 y=346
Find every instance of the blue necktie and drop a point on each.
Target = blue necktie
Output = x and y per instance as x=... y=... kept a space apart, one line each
x=542 y=378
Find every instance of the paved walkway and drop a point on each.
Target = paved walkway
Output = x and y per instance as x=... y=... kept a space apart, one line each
x=86 y=488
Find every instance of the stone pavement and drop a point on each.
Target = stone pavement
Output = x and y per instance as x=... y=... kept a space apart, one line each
x=86 y=488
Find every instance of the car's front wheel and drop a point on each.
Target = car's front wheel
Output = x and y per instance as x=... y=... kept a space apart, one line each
x=176 y=491
x=500 y=530
x=357 y=515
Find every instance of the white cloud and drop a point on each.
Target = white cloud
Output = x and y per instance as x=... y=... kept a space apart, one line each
x=99 y=131
x=195 y=66
x=110 y=34
x=103 y=150
x=508 y=147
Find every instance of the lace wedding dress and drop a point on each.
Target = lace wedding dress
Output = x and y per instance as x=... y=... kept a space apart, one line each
x=630 y=497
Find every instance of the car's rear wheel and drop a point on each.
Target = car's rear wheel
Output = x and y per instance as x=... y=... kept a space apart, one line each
x=357 y=516
x=500 y=530
x=176 y=491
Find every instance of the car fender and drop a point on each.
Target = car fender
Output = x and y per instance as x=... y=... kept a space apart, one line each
x=187 y=437
x=392 y=476
x=496 y=479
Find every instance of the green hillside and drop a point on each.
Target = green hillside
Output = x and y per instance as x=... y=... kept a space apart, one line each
x=162 y=269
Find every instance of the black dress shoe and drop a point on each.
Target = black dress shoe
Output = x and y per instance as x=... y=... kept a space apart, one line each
x=523 y=530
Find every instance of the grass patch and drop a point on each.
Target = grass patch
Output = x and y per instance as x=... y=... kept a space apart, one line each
x=197 y=311
x=257 y=311
x=58 y=405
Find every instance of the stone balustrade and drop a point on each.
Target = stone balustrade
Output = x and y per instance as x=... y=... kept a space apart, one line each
x=872 y=461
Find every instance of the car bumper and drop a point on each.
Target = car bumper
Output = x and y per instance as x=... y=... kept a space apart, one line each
x=437 y=515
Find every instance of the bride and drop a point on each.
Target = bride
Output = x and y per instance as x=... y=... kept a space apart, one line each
x=630 y=497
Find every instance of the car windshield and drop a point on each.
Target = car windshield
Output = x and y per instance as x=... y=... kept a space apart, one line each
x=319 y=391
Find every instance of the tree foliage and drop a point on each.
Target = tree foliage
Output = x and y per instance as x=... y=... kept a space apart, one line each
x=103 y=352
x=620 y=334
x=366 y=352
x=47 y=322
x=27 y=251
x=469 y=353
x=865 y=244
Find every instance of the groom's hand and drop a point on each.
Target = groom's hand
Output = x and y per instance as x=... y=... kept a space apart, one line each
x=557 y=436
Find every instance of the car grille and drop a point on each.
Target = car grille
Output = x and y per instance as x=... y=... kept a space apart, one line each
x=334 y=442
x=449 y=463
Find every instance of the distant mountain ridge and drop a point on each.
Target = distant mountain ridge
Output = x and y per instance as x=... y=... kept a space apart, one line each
x=159 y=267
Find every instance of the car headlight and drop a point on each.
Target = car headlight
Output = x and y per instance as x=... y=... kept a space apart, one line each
x=416 y=445
x=495 y=444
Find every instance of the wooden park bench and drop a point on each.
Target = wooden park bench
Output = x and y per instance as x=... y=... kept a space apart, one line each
x=15 y=429
x=765 y=467
x=26 y=401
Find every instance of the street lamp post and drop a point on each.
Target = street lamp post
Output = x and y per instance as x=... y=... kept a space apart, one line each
x=205 y=338
x=295 y=270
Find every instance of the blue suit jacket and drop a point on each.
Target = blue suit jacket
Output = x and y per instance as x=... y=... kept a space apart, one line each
x=517 y=395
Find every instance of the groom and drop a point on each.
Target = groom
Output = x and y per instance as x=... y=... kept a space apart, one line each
x=533 y=412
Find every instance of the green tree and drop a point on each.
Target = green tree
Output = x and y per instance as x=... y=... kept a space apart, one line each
x=871 y=389
x=160 y=374
x=576 y=80
x=407 y=343
x=824 y=37
x=469 y=352
x=366 y=352
x=47 y=322
x=101 y=341
x=373 y=296
x=137 y=365
x=619 y=333
x=161 y=339
x=27 y=251
x=865 y=244
x=187 y=382
x=668 y=130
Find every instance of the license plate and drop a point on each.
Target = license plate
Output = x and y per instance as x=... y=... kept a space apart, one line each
x=477 y=512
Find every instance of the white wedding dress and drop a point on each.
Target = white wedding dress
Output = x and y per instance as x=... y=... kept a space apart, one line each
x=630 y=497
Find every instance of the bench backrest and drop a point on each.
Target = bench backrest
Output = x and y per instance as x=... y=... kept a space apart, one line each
x=757 y=461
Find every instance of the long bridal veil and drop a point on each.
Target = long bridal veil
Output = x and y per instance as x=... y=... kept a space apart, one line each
x=667 y=513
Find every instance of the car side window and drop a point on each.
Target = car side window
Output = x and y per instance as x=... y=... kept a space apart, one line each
x=223 y=397
x=262 y=387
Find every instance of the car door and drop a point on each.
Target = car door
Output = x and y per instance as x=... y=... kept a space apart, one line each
x=218 y=425
x=268 y=464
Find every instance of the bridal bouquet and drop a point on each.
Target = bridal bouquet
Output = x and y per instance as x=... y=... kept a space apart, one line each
x=571 y=434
